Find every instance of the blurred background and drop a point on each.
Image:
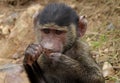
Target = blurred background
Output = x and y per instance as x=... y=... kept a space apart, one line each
x=16 y=32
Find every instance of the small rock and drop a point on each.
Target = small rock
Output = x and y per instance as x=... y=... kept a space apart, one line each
x=106 y=50
x=110 y=26
x=6 y=30
x=108 y=69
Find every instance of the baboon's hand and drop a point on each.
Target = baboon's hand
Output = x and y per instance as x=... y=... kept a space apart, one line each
x=32 y=53
x=55 y=57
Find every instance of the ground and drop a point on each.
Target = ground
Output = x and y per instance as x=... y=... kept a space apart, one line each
x=16 y=32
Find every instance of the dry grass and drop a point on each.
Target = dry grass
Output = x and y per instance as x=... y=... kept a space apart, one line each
x=104 y=32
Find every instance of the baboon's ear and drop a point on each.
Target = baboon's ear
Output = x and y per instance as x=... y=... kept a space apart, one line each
x=82 y=26
x=35 y=16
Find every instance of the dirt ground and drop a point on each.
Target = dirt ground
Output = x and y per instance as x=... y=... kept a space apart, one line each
x=16 y=32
